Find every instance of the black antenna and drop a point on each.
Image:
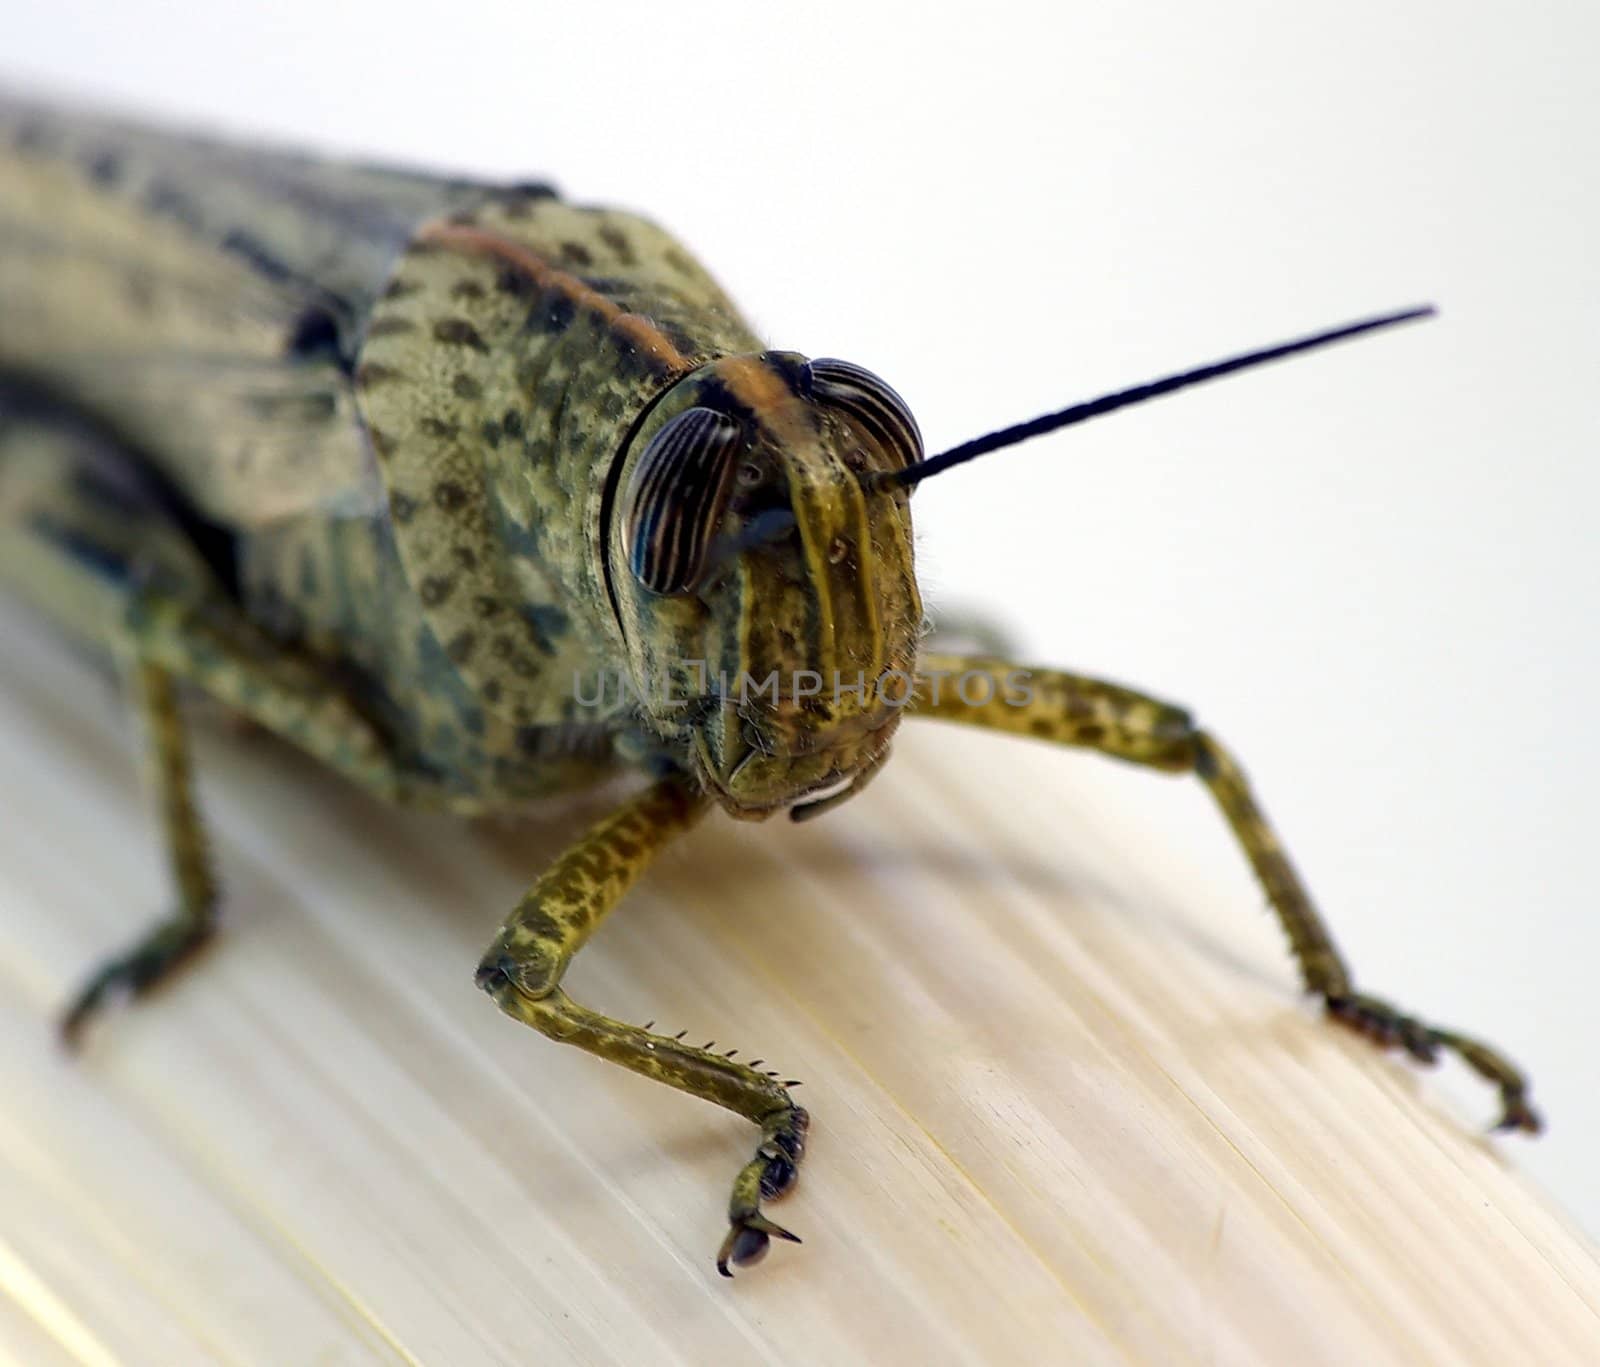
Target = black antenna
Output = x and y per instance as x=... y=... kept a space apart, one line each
x=1109 y=403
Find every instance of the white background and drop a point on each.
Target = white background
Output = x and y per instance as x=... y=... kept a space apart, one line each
x=1373 y=572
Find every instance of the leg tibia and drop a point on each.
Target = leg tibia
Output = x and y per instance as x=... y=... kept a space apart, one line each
x=172 y=941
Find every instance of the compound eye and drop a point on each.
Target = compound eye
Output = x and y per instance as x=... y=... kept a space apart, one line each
x=871 y=404
x=676 y=496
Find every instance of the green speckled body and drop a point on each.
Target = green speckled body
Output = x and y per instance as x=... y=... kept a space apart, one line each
x=401 y=467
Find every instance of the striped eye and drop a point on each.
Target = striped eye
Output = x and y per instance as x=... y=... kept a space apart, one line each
x=870 y=403
x=676 y=497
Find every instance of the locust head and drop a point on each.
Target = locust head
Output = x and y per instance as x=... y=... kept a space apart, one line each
x=760 y=567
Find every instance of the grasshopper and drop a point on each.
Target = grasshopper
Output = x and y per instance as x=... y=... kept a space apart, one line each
x=399 y=467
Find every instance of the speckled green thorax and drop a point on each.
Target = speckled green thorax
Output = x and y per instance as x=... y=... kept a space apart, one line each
x=512 y=352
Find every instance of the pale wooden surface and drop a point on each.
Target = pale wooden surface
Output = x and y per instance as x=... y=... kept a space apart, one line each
x=1065 y=1110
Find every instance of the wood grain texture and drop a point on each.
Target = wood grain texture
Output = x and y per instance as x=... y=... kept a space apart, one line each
x=1067 y=1108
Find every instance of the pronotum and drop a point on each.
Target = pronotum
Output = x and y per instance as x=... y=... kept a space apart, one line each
x=404 y=468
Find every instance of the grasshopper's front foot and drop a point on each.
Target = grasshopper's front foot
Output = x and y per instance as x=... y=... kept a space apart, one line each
x=149 y=962
x=766 y=1177
x=523 y=968
x=1389 y=1027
